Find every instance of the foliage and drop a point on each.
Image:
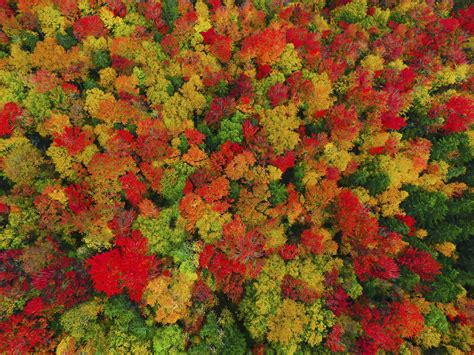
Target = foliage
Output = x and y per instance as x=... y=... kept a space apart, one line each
x=236 y=177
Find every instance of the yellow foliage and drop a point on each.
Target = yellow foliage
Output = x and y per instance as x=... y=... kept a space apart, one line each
x=49 y=55
x=428 y=338
x=421 y=233
x=389 y=201
x=19 y=59
x=93 y=99
x=210 y=225
x=321 y=99
x=56 y=123
x=372 y=62
x=399 y=169
x=51 y=20
x=337 y=157
x=59 y=195
x=22 y=163
x=289 y=61
x=274 y=233
x=62 y=161
x=308 y=271
x=107 y=77
x=287 y=325
x=446 y=248
x=280 y=124
x=98 y=235
x=397 y=64
x=171 y=296
x=103 y=131
x=274 y=173
x=178 y=110
x=449 y=76
x=319 y=320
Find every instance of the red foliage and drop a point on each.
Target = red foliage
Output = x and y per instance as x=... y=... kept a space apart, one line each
x=202 y=292
x=121 y=224
x=194 y=136
x=121 y=64
x=227 y=273
x=34 y=306
x=263 y=71
x=117 y=7
x=376 y=265
x=284 y=162
x=170 y=45
x=333 y=341
x=265 y=46
x=460 y=114
x=88 y=26
x=134 y=188
x=124 y=267
x=8 y=117
x=24 y=334
x=73 y=139
x=297 y=290
x=312 y=241
x=392 y=121
x=299 y=86
x=220 y=45
x=420 y=262
x=153 y=12
x=221 y=107
x=354 y=220
x=338 y=301
x=278 y=94
x=246 y=248
x=387 y=327
x=289 y=251
x=78 y=200
x=242 y=86
x=343 y=123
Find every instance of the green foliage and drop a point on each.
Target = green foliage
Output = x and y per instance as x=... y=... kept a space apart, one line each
x=445 y=288
x=453 y=148
x=353 y=12
x=436 y=318
x=176 y=82
x=428 y=208
x=26 y=39
x=231 y=128
x=407 y=279
x=67 y=40
x=165 y=233
x=278 y=192
x=234 y=190
x=115 y=327
x=173 y=181
x=38 y=105
x=81 y=321
x=220 y=335
x=395 y=225
x=168 y=340
x=183 y=145
x=101 y=59
x=370 y=177
x=170 y=12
